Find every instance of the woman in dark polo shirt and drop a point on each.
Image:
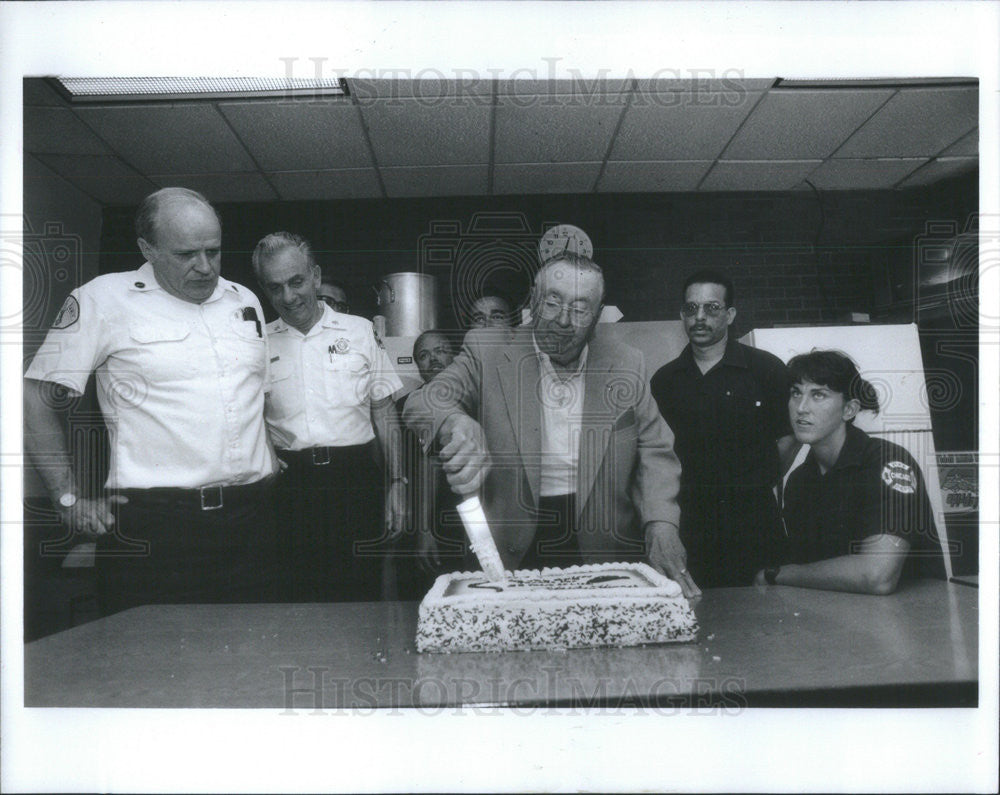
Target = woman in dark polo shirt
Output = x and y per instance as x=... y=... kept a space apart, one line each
x=856 y=512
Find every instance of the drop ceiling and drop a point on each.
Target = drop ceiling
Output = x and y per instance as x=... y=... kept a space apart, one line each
x=392 y=139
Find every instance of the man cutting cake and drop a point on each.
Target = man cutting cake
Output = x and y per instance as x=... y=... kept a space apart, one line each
x=556 y=431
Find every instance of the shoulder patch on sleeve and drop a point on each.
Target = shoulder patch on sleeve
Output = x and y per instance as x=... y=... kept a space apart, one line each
x=899 y=477
x=68 y=314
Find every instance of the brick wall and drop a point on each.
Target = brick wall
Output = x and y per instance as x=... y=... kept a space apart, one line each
x=795 y=258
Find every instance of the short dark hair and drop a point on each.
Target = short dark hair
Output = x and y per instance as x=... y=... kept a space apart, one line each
x=837 y=371
x=711 y=276
x=448 y=337
x=145 y=216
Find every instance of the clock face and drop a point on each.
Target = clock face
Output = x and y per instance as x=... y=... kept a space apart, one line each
x=564 y=237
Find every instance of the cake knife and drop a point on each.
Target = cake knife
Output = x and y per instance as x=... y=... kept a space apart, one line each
x=481 y=539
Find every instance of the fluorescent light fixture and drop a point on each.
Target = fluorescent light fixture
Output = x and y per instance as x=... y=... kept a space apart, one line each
x=880 y=82
x=144 y=89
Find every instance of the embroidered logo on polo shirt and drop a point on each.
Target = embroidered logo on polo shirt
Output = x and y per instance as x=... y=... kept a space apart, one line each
x=899 y=477
x=68 y=314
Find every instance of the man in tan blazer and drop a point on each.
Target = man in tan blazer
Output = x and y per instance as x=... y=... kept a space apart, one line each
x=554 y=427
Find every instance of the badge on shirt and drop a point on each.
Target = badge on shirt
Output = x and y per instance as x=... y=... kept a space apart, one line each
x=340 y=345
x=899 y=477
x=68 y=314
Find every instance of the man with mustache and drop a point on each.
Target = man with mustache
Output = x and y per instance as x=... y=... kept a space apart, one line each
x=440 y=541
x=555 y=429
x=727 y=404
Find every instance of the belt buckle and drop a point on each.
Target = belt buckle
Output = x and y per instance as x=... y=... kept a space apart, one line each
x=324 y=453
x=211 y=492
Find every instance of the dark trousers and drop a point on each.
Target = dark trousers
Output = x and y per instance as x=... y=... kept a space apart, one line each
x=166 y=549
x=730 y=533
x=331 y=509
x=556 y=542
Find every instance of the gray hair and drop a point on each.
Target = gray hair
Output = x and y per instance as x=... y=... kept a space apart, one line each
x=145 y=216
x=277 y=242
x=577 y=261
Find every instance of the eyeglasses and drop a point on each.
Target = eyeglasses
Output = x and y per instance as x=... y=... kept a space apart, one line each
x=550 y=309
x=712 y=308
x=337 y=306
x=497 y=316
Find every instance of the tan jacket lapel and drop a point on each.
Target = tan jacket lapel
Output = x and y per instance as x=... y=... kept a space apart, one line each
x=519 y=374
x=598 y=420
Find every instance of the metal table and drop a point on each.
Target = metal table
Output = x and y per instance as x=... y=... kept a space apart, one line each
x=773 y=646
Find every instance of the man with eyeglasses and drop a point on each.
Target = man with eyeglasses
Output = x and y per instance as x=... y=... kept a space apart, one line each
x=490 y=311
x=333 y=294
x=727 y=404
x=556 y=431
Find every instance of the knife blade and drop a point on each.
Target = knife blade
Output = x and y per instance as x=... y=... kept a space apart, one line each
x=481 y=539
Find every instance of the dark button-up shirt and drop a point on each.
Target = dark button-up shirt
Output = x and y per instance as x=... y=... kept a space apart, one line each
x=725 y=421
x=874 y=487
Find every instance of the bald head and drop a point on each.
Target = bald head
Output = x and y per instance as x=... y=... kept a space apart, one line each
x=147 y=217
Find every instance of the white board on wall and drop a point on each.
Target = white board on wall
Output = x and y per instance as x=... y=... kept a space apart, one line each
x=887 y=356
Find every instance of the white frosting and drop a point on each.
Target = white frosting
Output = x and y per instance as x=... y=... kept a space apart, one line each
x=606 y=604
x=632 y=580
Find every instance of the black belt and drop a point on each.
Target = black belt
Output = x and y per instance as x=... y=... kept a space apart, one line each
x=321 y=456
x=206 y=498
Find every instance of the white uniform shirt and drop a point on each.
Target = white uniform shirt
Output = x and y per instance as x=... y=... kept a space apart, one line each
x=562 y=417
x=322 y=383
x=180 y=385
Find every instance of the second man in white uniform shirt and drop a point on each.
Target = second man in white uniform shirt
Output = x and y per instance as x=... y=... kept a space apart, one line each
x=329 y=413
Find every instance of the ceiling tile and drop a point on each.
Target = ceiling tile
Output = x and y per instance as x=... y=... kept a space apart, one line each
x=161 y=139
x=880 y=174
x=586 y=88
x=533 y=178
x=575 y=130
x=429 y=90
x=435 y=181
x=647 y=177
x=36 y=91
x=680 y=126
x=348 y=183
x=248 y=187
x=942 y=168
x=407 y=132
x=58 y=131
x=917 y=122
x=793 y=125
x=326 y=134
x=757 y=175
x=729 y=87
x=966 y=146
x=107 y=179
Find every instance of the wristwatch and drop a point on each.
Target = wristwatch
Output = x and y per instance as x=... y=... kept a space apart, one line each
x=67 y=500
x=771 y=575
